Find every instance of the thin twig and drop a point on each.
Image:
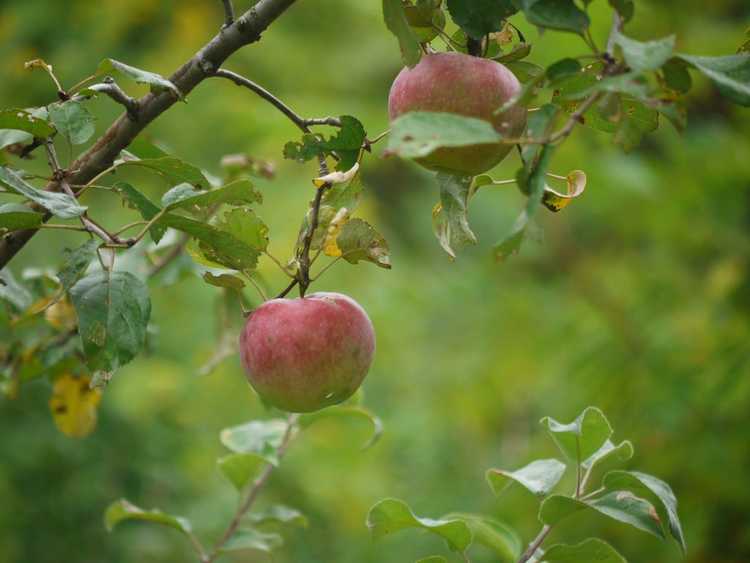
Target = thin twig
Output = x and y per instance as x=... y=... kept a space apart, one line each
x=110 y=88
x=288 y=289
x=252 y=495
x=228 y=13
x=536 y=544
x=169 y=257
x=614 y=31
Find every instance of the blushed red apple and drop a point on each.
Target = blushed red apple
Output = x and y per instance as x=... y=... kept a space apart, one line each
x=463 y=85
x=302 y=355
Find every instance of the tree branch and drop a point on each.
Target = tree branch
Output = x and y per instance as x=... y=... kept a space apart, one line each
x=228 y=13
x=245 y=30
x=113 y=90
x=536 y=544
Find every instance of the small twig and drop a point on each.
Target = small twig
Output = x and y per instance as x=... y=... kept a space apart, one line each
x=169 y=257
x=252 y=495
x=616 y=28
x=288 y=289
x=110 y=88
x=228 y=13
x=63 y=227
x=257 y=287
x=529 y=553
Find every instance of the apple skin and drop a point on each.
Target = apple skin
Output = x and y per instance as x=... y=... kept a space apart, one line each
x=302 y=355
x=463 y=85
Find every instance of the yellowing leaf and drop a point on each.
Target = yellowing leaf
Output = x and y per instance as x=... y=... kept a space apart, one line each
x=576 y=185
x=73 y=405
x=61 y=315
x=330 y=246
x=336 y=177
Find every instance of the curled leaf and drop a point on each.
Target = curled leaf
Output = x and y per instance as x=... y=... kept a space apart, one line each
x=576 y=185
x=336 y=177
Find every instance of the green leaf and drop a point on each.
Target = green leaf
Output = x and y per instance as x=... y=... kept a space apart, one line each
x=433 y=559
x=278 y=514
x=244 y=225
x=13 y=292
x=186 y=196
x=643 y=56
x=392 y=515
x=13 y=136
x=358 y=240
x=241 y=469
x=395 y=21
x=17 y=217
x=563 y=69
x=581 y=438
x=480 y=17
x=172 y=169
x=122 y=510
x=676 y=75
x=626 y=8
x=144 y=206
x=227 y=281
x=417 y=134
x=533 y=183
x=609 y=454
x=24 y=120
x=563 y=15
x=76 y=263
x=73 y=121
x=253 y=539
x=450 y=217
x=622 y=506
x=539 y=477
x=346 y=144
x=655 y=491
x=511 y=243
x=113 y=312
x=346 y=411
x=59 y=204
x=259 y=437
x=493 y=534
x=591 y=550
x=156 y=82
x=731 y=74
x=218 y=246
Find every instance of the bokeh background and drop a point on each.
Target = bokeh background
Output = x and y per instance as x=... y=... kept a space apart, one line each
x=637 y=301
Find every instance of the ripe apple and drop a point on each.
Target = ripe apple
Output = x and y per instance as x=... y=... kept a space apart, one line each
x=463 y=85
x=302 y=355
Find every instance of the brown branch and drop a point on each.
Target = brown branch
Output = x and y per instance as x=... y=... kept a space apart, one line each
x=245 y=30
x=228 y=13
x=110 y=88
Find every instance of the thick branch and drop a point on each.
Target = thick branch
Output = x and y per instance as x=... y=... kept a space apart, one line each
x=245 y=30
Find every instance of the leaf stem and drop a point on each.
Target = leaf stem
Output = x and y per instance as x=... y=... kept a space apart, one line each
x=536 y=544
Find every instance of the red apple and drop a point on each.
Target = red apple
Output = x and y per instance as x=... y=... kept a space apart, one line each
x=463 y=85
x=302 y=355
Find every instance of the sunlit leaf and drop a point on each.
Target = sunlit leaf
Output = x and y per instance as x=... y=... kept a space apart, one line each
x=579 y=439
x=156 y=82
x=16 y=217
x=186 y=196
x=393 y=515
x=591 y=550
x=539 y=477
x=172 y=169
x=147 y=209
x=260 y=437
x=227 y=281
x=493 y=534
x=450 y=217
x=358 y=240
x=347 y=411
x=74 y=405
x=59 y=204
x=645 y=55
x=24 y=120
x=731 y=74
x=122 y=510
x=241 y=469
x=73 y=121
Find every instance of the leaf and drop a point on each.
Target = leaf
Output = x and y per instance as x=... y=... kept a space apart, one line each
x=156 y=82
x=676 y=75
x=76 y=263
x=13 y=292
x=433 y=559
x=73 y=121
x=337 y=177
x=563 y=69
x=493 y=534
x=227 y=281
x=450 y=217
x=173 y=169
x=347 y=411
x=655 y=491
x=346 y=144
x=278 y=514
x=417 y=134
x=253 y=539
x=642 y=56
x=622 y=506
x=122 y=510
x=17 y=217
x=10 y=137
x=626 y=8
x=557 y=201
x=731 y=74
x=186 y=196
x=609 y=453
x=395 y=21
x=113 y=312
x=241 y=469
x=591 y=550
x=563 y=15
x=244 y=225
x=358 y=240
x=59 y=204
x=511 y=243
x=539 y=477
x=533 y=183
x=24 y=120
x=74 y=405
x=147 y=209
x=480 y=17
x=218 y=246
x=582 y=437
x=259 y=437
x=392 y=515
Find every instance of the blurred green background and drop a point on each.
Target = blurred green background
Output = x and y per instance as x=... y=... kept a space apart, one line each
x=637 y=301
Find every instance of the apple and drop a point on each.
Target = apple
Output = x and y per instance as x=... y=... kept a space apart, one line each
x=304 y=354
x=462 y=85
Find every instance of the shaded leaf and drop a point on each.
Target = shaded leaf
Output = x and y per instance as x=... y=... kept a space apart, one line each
x=147 y=209
x=395 y=21
x=539 y=477
x=227 y=281
x=172 y=169
x=591 y=550
x=493 y=534
x=59 y=204
x=13 y=292
x=122 y=510
x=241 y=469
x=563 y=15
x=450 y=217
x=625 y=8
x=10 y=137
x=259 y=437
x=581 y=438
x=76 y=263
x=346 y=411
x=113 y=313
x=73 y=121
x=346 y=144
x=16 y=217
x=480 y=17
x=74 y=405
x=358 y=240
x=731 y=74
x=156 y=82
x=642 y=56
x=186 y=196
x=393 y=515
x=278 y=514
x=24 y=120
x=511 y=243
x=253 y=539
